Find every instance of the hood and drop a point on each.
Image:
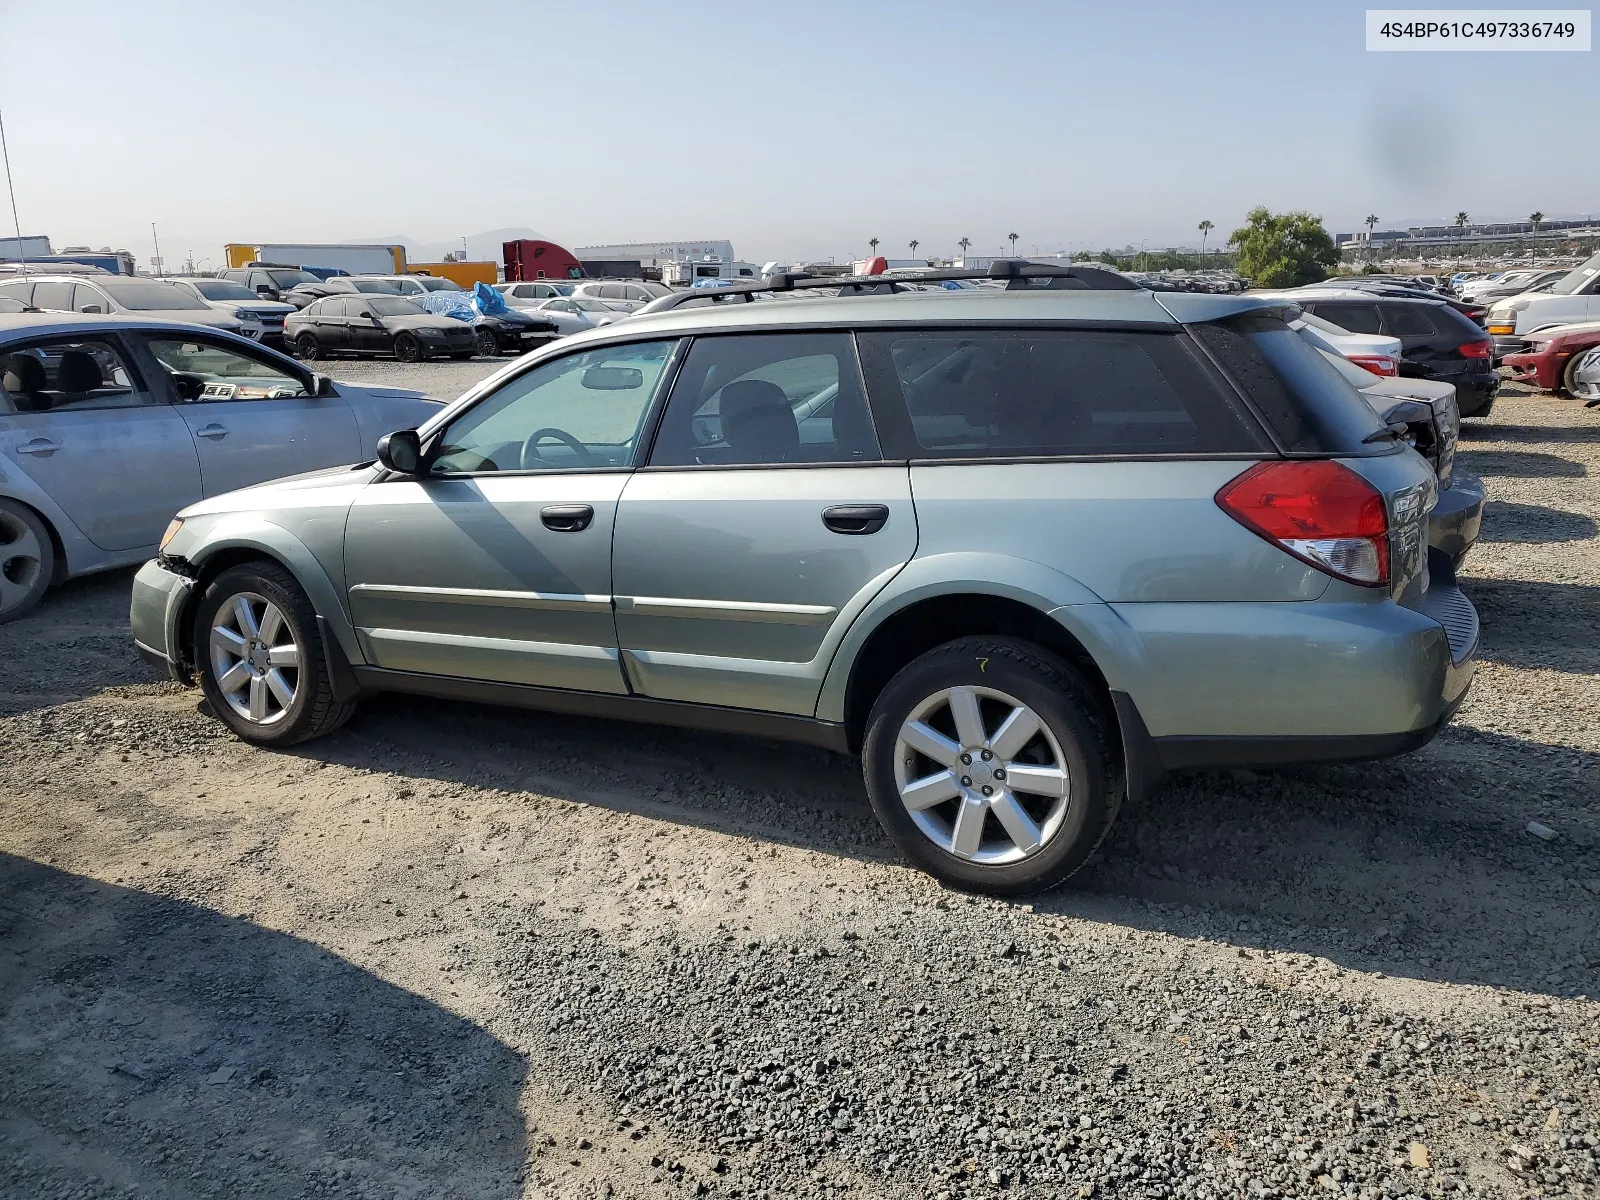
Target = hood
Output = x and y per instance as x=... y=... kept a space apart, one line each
x=295 y=491
x=1577 y=329
x=268 y=307
x=188 y=316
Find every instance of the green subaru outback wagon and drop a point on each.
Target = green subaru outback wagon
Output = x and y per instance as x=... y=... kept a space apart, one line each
x=1022 y=548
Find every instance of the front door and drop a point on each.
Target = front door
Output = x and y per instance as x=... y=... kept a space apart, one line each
x=764 y=523
x=366 y=333
x=253 y=418
x=77 y=419
x=495 y=562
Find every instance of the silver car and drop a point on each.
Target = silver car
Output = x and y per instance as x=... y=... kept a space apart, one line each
x=108 y=427
x=106 y=294
x=1023 y=553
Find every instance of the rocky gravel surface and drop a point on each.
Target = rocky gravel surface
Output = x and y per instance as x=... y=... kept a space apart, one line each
x=455 y=951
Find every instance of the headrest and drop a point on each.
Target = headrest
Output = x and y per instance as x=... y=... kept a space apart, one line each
x=78 y=372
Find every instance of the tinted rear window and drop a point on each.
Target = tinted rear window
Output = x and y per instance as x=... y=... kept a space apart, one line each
x=1029 y=393
x=1409 y=320
x=1303 y=400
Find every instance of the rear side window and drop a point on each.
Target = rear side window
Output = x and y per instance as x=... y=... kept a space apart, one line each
x=1357 y=318
x=52 y=295
x=1305 y=402
x=1048 y=392
x=1408 y=320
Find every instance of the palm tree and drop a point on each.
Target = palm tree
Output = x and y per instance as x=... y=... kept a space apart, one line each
x=1537 y=219
x=914 y=245
x=964 y=243
x=1462 y=220
x=1013 y=237
x=1205 y=228
x=873 y=242
x=1370 y=222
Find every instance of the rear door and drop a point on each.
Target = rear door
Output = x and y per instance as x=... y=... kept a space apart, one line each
x=333 y=323
x=765 y=521
x=253 y=416
x=81 y=420
x=1422 y=344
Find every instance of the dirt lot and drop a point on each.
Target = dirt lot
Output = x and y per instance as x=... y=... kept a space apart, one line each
x=459 y=952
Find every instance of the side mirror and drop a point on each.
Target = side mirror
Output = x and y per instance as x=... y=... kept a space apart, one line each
x=401 y=452
x=263 y=290
x=366 y=314
x=321 y=385
x=91 y=308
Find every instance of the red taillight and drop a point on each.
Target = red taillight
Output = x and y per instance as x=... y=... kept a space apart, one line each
x=1476 y=349
x=1378 y=364
x=1319 y=511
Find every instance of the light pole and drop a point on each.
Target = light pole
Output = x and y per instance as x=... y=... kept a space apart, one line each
x=158 y=264
x=22 y=253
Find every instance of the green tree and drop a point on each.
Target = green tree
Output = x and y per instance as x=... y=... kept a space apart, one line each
x=1205 y=228
x=1013 y=237
x=873 y=242
x=1462 y=220
x=914 y=245
x=1537 y=219
x=964 y=243
x=1283 y=249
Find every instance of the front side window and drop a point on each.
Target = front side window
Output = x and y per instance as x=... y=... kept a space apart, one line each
x=209 y=371
x=140 y=295
x=767 y=399
x=52 y=295
x=71 y=374
x=377 y=286
x=1032 y=393
x=86 y=300
x=392 y=306
x=581 y=411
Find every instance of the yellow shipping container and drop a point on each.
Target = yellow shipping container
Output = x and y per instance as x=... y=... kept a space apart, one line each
x=463 y=273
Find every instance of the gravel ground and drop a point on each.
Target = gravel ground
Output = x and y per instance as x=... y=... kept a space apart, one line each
x=454 y=951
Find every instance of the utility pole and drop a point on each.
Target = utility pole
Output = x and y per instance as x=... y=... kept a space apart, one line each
x=157 y=264
x=22 y=253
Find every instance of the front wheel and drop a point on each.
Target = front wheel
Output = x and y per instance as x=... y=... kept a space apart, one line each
x=307 y=348
x=990 y=764
x=488 y=344
x=260 y=658
x=407 y=349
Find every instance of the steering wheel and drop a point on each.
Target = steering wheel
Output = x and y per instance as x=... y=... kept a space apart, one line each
x=530 y=448
x=188 y=385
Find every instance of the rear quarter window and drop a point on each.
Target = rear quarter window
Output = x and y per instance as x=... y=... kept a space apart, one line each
x=1306 y=404
x=1050 y=393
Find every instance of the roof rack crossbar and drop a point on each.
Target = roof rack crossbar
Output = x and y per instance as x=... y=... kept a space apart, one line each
x=1018 y=274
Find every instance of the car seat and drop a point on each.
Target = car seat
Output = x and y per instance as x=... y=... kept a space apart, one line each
x=25 y=382
x=76 y=376
x=758 y=423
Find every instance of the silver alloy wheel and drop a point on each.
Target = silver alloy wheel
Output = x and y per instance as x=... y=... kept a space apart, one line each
x=254 y=659
x=22 y=559
x=982 y=776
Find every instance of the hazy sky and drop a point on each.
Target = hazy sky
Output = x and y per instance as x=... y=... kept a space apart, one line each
x=795 y=129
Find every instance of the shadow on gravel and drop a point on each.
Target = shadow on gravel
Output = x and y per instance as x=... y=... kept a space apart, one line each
x=1522 y=464
x=1534 y=524
x=1418 y=867
x=74 y=645
x=1531 y=433
x=1553 y=626
x=155 y=1047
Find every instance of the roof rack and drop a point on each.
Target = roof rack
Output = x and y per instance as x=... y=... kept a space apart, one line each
x=1018 y=274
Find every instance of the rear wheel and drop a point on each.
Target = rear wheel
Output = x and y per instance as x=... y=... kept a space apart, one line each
x=307 y=348
x=407 y=349
x=488 y=344
x=989 y=762
x=260 y=658
x=27 y=560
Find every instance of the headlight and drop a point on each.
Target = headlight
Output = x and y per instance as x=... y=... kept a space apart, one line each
x=431 y=332
x=172 y=532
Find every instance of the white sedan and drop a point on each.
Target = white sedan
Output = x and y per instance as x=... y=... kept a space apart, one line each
x=574 y=315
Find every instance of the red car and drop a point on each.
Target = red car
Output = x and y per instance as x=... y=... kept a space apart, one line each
x=1547 y=357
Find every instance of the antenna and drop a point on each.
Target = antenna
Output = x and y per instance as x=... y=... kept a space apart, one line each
x=22 y=253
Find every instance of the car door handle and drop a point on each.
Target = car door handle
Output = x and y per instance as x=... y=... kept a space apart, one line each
x=43 y=447
x=213 y=431
x=856 y=518
x=566 y=518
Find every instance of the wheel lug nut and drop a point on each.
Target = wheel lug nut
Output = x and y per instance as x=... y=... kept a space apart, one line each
x=987 y=756
x=999 y=773
x=966 y=760
x=987 y=790
x=966 y=781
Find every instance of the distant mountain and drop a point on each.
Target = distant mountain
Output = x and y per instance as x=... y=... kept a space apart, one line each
x=481 y=247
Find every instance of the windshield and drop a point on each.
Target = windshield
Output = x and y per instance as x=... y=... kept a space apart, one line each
x=151 y=296
x=393 y=306
x=591 y=305
x=438 y=285
x=376 y=286
x=223 y=289
x=289 y=279
x=1575 y=279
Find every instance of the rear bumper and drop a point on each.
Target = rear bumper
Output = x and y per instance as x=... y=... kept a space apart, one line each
x=155 y=615
x=1457 y=518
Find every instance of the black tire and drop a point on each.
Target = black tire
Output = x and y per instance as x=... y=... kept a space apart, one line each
x=313 y=711
x=1067 y=707
x=27 y=560
x=407 y=349
x=307 y=348
x=488 y=344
